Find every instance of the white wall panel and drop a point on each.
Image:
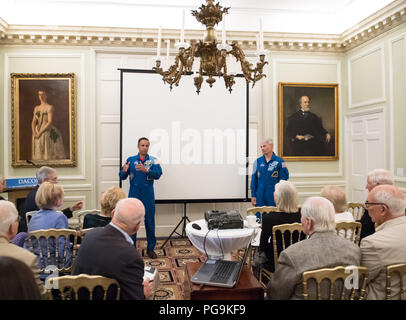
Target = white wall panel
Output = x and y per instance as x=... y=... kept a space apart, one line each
x=110 y=139
x=109 y=104
x=366 y=78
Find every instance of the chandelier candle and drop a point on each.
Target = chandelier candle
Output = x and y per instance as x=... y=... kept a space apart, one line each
x=261 y=35
x=223 y=33
x=168 y=43
x=158 y=48
x=182 y=31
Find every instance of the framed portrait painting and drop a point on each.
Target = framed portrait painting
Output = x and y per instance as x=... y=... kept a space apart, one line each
x=308 y=121
x=43 y=120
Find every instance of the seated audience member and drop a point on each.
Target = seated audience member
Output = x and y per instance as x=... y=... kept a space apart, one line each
x=17 y=281
x=49 y=198
x=48 y=174
x=386 y=207
x=8 y=229
x=108 y=202
x=323 y=249
x=374 y=178
x=120 y=259
x=20 y=239
x=287 y=203
x=336 y=195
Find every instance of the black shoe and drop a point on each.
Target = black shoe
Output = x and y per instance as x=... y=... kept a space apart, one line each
x=151 y=254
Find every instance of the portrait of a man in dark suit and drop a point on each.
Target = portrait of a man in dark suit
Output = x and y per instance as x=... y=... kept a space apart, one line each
x=308 y=122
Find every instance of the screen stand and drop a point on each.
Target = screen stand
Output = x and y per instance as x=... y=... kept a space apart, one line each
x=183 y=219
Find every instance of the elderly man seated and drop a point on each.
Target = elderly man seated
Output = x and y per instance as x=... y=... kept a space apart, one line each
x=322 y=249
x=109 y=251
x=8 y=229
x=386 y=207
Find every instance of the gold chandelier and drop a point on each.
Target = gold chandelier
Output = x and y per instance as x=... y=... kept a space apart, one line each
x=211 y=53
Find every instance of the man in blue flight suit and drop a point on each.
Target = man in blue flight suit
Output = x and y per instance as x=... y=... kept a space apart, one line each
x=143 y=169
x=268 y=170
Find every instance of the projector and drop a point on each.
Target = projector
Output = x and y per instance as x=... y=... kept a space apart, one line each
x=230 y=219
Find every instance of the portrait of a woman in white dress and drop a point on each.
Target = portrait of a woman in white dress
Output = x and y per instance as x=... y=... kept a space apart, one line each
x=43 y=119
x=47 y=142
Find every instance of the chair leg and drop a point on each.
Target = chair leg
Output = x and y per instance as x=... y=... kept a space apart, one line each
x=264 y=273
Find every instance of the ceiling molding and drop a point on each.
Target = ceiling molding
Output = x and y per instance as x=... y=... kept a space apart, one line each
x=386 y=19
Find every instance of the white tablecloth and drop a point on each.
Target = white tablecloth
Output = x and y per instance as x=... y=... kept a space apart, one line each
x=219 y=243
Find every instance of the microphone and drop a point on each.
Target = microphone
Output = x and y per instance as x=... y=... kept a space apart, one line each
x=32 y=163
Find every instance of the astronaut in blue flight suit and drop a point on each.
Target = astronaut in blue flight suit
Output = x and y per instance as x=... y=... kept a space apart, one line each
x=268 y=170
x=143 y=169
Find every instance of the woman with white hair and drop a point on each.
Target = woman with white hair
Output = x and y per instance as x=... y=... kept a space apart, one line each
x=286 y=200
x=49 y=198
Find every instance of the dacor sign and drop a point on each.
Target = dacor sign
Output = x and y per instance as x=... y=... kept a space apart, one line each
x=21 y=182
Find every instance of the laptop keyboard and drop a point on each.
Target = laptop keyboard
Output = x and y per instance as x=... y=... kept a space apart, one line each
x=223 y=271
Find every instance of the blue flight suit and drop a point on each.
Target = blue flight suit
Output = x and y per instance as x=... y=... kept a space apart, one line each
x=264 y=177
x=142 y=188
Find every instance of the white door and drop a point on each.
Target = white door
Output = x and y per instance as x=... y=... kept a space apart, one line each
x=365 y=152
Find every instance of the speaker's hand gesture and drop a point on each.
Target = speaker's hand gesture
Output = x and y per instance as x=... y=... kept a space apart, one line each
x=126 y=166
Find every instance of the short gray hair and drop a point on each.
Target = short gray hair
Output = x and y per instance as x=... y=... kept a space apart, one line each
x=380 y=176
x=268 y=140
x=8 y=215
x=321 y=212
x=393 y=197
x=286 y=196
x=43 y=173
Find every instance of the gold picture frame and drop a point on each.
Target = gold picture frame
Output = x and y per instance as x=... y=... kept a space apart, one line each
x=308 y=135
x=43 y=119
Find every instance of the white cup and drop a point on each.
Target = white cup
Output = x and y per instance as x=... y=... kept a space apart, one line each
x=252 y=221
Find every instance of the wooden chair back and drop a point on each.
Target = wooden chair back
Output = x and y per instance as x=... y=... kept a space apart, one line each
x=262 y=210
x=289 y=233
x=339 y=283
x=55 y=248
x=28 y=215
x=357 y=210
x=81 y=215
x=395 y=281
x=68 y=287
x=350 y=231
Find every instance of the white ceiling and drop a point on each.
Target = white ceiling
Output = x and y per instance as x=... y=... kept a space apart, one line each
x=297 y=16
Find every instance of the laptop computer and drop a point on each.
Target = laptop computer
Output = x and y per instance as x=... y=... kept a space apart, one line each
x=220 y=273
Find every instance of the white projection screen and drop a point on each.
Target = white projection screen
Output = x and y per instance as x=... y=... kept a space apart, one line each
x=201 y=141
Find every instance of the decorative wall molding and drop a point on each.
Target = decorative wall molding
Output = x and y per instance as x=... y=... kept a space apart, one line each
x=392 y=107
x=380 y=22
x=381 y=49
x=77 y=187
x=319 y=184
x=384 y=20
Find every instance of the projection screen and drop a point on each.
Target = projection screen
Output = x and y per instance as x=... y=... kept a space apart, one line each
x=201 y=141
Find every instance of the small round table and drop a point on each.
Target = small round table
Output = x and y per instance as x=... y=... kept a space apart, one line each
x=218 y=244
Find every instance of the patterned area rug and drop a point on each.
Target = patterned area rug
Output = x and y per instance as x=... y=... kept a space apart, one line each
x=171 y=264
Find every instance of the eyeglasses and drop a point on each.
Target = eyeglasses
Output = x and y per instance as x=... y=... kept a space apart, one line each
x=369 y=204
